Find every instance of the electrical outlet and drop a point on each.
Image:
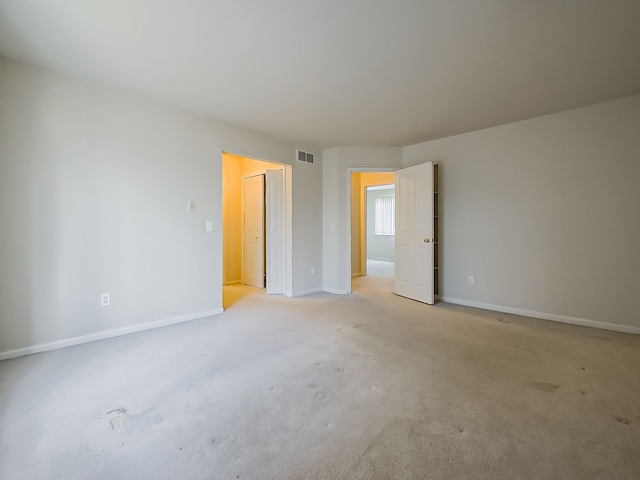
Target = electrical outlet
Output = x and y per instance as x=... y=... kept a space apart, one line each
x=209 y=226
x=191 y=206
x=313 y=270
x=105 y=299
x=472 y=280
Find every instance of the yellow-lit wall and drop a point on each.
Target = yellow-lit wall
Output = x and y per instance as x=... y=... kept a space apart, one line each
x=359 y=182
x=356 y=212
x=234 y=170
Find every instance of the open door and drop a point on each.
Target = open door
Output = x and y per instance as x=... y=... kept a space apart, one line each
x=254 y=259
x=414 y=245
x=275 y=231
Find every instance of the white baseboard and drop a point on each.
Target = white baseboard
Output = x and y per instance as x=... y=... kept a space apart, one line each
x=583 y=322
x=336 y=292
x=69 y=342
x=307 y=292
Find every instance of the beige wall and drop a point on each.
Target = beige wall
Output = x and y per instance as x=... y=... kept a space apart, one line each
x=545 y=213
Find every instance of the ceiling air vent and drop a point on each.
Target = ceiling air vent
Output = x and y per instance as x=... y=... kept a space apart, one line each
x=305 y=156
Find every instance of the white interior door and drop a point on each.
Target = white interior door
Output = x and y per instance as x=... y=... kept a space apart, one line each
x=275 y=231
x=254 y=268
x=414 y=233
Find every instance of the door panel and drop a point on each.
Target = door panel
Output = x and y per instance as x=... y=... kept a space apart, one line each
x=275 y=231
x=254 y=267
x=414 y=233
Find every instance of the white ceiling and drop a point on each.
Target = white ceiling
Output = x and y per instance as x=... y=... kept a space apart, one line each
x=341 y=72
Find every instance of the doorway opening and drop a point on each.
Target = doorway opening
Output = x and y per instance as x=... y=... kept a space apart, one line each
x=416 y=252
x=372 y=239
x=254 y=245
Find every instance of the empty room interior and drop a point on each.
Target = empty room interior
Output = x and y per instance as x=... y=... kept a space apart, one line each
x=319 y=240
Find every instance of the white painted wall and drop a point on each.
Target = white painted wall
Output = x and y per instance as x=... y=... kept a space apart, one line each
x=545 y=213
x=94 y=186
x=337 y=163
x=307 y=224
x=330 y=214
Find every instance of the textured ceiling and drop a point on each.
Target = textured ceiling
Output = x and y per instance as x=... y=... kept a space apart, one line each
x=341 y=72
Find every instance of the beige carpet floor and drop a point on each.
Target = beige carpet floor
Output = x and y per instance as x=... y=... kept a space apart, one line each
x=366 y=386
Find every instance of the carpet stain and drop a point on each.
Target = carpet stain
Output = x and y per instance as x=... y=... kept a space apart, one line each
x=197 y=457
x=215 y=441
x=545 y=386
x=502 y=320
x=423 y=354
x=321 y=395
x=313 y=386
x=359 y=325
x=277 y=391
x=118 y=421
x=374 y=389
x=117 y=410
x=624 y=421
x=340 y=370
x=524 y=349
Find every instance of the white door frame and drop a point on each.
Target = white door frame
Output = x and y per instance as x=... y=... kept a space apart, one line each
x=288 y=223
x=349 y=172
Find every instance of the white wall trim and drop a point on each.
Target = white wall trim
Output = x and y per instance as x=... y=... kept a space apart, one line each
x=583 y=322
x=336 y=291
x=93 y=337
x=307 y=292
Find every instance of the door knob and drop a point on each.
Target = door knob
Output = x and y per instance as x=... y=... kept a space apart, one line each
x=427 y=240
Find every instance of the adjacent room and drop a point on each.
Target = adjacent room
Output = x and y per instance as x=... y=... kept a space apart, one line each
x=372 y=224
x=319 y=240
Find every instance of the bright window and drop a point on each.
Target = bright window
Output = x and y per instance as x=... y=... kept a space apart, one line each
x=385 y=215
